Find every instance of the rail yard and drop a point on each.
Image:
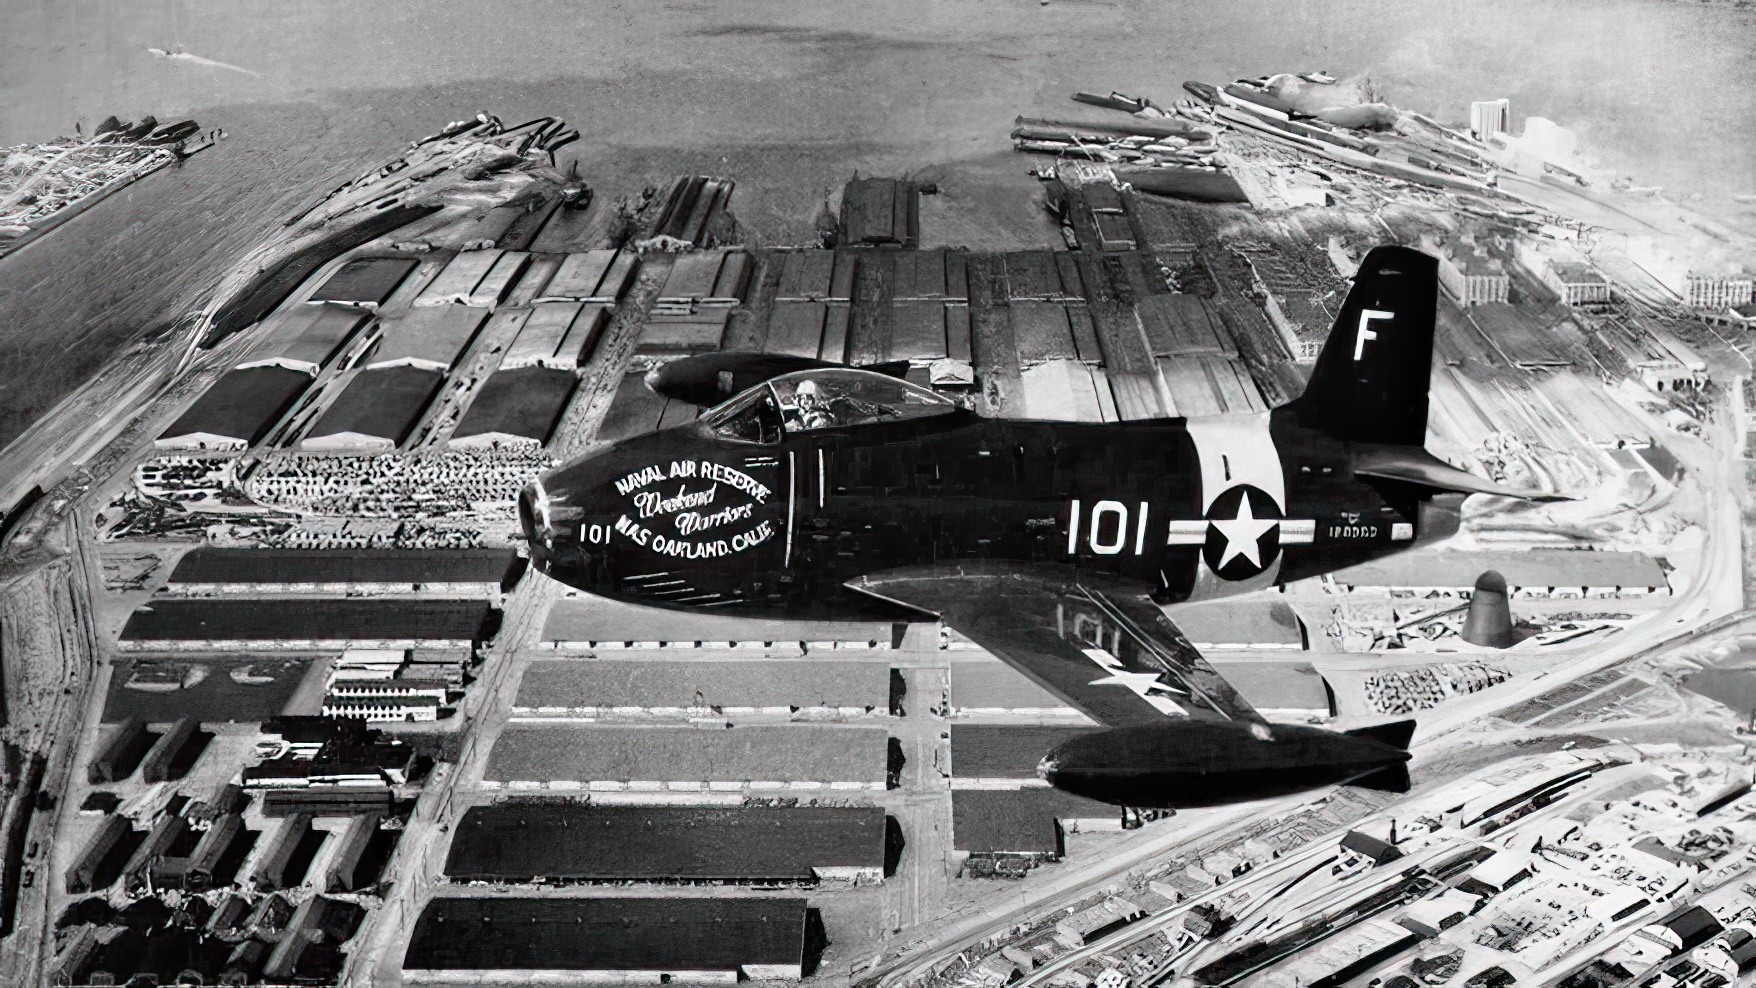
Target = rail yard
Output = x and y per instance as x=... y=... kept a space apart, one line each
x=284 y=705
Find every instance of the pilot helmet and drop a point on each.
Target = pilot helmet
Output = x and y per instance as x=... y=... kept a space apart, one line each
x=807 y=390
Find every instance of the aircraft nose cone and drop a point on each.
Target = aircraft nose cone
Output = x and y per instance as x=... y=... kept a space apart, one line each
x=1048 y=769
x=532 y=512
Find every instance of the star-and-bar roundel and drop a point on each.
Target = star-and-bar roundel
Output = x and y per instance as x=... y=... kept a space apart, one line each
x=1243 y=533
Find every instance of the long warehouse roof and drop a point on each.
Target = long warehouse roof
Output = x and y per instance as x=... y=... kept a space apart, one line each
x=1004 y=751
x=366 y=280
x=1521 y=568
x=307 y=618
x=380 y=405
x=736 y=683
x=526 y=402
x=220 y=565
x=308 y=337
x=607 y=934
x=241 y=406
x=1018 y=821
x=428 y=336
x=521 y=841
x=749 y=753
x=598 y=619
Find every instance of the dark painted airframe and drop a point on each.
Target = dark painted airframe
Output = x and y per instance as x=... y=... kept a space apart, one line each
x=839 y=493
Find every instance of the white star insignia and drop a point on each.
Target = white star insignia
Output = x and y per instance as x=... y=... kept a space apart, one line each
x=1139 y=682
x=1242 y=534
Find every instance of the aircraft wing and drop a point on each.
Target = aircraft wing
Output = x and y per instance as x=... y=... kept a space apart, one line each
x=1117 y=659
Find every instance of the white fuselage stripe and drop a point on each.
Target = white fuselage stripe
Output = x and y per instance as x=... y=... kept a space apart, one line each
x=792 y=498
x=1237 y=449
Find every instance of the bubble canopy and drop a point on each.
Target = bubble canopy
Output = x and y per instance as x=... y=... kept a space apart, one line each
x=831 y=398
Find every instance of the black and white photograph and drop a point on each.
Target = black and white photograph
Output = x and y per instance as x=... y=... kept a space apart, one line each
x=902 y=494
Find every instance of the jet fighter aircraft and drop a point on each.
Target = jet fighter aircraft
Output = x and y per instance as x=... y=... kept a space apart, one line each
x=827 y=492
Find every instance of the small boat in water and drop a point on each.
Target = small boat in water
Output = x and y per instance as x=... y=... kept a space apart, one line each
x=246 y=676
x=1193 y=183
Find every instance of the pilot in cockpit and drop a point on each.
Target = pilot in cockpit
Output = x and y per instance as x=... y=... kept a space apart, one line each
x=810 y=410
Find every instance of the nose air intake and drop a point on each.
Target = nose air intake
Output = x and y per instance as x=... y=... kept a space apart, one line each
x=1048 y=768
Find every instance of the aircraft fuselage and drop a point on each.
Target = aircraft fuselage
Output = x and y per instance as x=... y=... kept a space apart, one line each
x=1176 y=508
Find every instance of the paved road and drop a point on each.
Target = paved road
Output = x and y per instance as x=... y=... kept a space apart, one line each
x=420 y=854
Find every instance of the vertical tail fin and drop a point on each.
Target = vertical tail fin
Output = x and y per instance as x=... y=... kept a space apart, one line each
x=1370 y=382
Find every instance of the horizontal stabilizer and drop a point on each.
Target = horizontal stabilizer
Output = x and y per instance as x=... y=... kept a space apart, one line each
x=1392 y=778
x=1414 y=465
x=1396 y=734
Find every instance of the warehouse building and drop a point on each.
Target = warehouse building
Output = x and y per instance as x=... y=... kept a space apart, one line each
x=479 y=279
x=883 y=212
x=595 y=276
x=195 y=870
x=637 y=409
x=1280 y=690
x=605 y=625
x=238 y=411
x=342 y=854
x=1256 y=625
x=309 y=623
x=120 y=753
x=430 y=337
x=557 y=335
x=815 y=275
x=269 y=870
x=608 y=687
x=167 y=831
x=352 y=798
x=82 y=877
x=367 y=282
x=692 y=307
x=1718 y=291
x=471 y=941
x=1003 y=756
x=516 y=408
x=389 y=703
x=524 y=842
x=376 y=412
x=1528 y=572
x=690 y=759
x=307 y=338
x=459 y=572
x=808 y=329
x=690 y=210
x=984 y=687
x=170 y=754
x=1007 y=832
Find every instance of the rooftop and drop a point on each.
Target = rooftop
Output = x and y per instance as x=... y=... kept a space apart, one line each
x=1018 y=821
x=525 y=403
x=216 y=565
x=242 y=406
x=520 y=841
x=307 y=618
x=366 y=280
x=596 y=619
x=762 y=683
x=1004 y=751
x=760 y=753
x=608 y=934
x=381 y=403
x=982 y=681
x=1521 y=567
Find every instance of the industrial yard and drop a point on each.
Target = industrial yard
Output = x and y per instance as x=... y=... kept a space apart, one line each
x=284 y=705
